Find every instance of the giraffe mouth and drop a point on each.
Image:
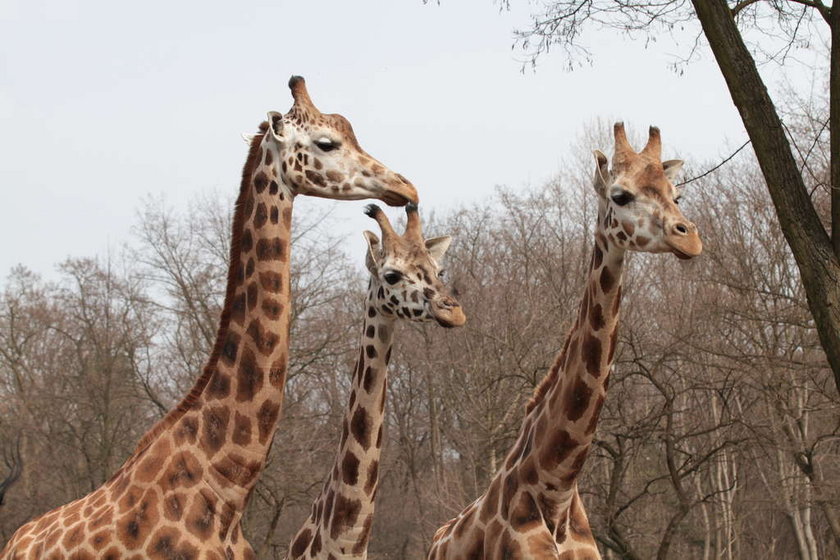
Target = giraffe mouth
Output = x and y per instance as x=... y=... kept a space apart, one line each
x=685 y=247
x=450 y=317
x=395 y=199
x=444 y=324
x=399 y=194
x=680 y=255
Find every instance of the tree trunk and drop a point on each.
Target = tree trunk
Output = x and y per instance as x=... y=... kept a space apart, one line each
x=812 y=248
x=833 y=521
x=670 y=530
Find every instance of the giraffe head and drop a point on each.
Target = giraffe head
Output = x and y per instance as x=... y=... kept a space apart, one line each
x=319 y=155
x=639 y=200
x=406 y=274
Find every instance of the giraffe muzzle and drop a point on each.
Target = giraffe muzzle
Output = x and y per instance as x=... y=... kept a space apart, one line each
x=448 y=313
x=683 y=240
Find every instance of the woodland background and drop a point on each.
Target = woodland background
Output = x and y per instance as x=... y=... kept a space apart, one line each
x=719 y=437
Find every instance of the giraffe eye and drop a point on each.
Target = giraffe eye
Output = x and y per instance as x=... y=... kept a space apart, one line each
x=622 y=198
x=326 y=145
x=441 y=273
x=392 y=277
x=677 y=200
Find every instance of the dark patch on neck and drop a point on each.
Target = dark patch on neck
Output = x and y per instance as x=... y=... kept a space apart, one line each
x=607 y=280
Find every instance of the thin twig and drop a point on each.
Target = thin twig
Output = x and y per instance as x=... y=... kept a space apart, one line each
x=824 y=10
x=801 y=155
x=718 y=166
x=741 y=5
x=813 y=144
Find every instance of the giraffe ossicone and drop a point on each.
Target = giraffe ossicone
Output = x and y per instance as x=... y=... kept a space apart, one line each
x=532 y=508
x=404 y=284
x=181 y=494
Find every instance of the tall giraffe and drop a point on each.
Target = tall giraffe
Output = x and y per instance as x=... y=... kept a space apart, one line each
x=182 y=493
x=404 y=284
x=532 y=508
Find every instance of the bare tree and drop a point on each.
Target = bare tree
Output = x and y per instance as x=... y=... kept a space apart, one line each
x=784 y=24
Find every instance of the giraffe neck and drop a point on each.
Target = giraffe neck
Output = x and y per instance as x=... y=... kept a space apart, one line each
x=560 y=425
x=341 y=516
x=225 y=426
x=535 y=493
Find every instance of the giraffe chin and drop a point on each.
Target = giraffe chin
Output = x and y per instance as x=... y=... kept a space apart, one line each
x=685 y=249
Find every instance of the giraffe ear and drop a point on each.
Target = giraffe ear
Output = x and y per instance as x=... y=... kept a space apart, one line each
x=437 y=246
x=247 y=137
x=672 y=168
x=373 y=253
x=602 y=173
x=275 y=125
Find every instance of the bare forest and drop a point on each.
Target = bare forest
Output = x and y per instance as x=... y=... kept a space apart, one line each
x=718 y=440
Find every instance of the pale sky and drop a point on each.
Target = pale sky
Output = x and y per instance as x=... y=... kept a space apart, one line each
x=103 y=103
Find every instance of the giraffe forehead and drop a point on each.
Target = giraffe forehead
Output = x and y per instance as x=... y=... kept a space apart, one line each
x=650 y=183
x=647 y=175
x=409 y=258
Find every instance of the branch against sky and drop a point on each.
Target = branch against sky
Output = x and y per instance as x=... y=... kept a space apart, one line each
x=563 y=23
x=773 y=29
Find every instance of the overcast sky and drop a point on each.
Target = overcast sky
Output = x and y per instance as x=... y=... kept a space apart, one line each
x=103 y=103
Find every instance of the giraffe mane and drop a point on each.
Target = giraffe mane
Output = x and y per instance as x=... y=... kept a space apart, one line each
x=548 y=381
x=224 y=322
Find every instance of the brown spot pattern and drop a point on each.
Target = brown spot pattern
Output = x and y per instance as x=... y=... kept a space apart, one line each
x=249 y=377
x=607 y=280
x=350 y=468
x=277 y=373
x=577 y=400
x=271 y=249
x=266 y=418
x=230 y=348
x=559 y=448
x=271 y=282
x=261 y=216
x=591 y=353
x=345 y=512
x=301 y=543
x=214 y=427
x=260 y=182
x=241 y=429
x=264 y=339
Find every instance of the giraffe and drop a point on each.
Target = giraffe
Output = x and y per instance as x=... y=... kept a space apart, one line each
x=404 y=284
x=532 y=508
x=181 y=494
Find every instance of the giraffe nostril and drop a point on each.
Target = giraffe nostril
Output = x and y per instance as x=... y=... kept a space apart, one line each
x=682 y=229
